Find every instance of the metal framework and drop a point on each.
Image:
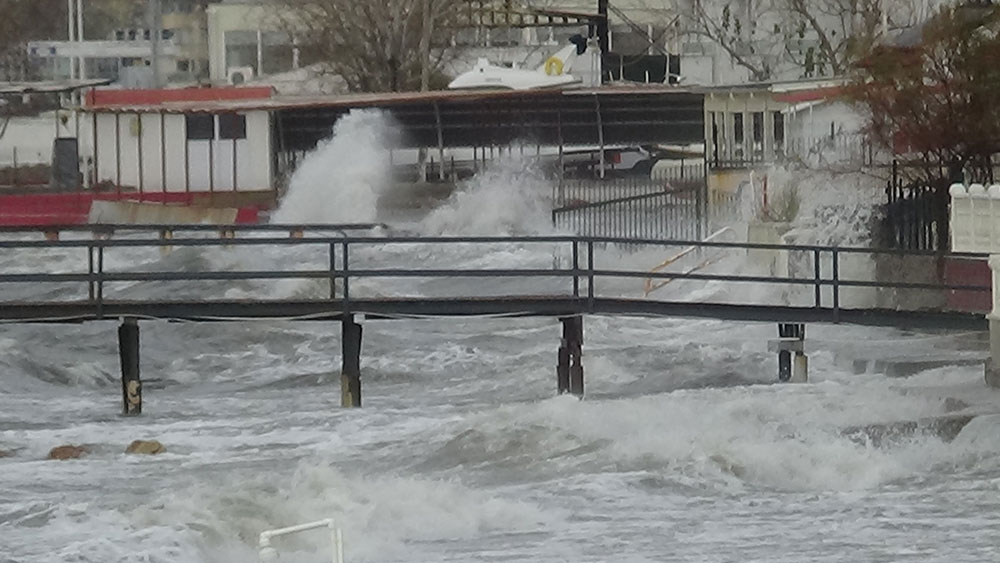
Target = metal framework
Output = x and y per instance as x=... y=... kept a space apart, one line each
x=548 y=117
x=582 y=286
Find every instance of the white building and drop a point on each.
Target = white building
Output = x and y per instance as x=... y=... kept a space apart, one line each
x=245 y=42
x=752 y=126
x=187 y=140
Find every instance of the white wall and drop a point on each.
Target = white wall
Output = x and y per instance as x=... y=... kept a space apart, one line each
x=209 y=164
x=231 y=17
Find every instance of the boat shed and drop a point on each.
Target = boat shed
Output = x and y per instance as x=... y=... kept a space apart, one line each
x=244 y=139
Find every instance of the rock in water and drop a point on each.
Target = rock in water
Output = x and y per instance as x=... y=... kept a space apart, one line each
x=145 y=447
x=5 y=453
x=68 y=452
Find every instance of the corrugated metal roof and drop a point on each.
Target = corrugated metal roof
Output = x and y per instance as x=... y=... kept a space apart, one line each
x=370 y=100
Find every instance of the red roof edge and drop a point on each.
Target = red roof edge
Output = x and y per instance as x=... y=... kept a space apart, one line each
x=157 y=97
x=812 y=95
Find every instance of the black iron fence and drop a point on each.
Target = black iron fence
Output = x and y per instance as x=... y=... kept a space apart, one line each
x=673 y=204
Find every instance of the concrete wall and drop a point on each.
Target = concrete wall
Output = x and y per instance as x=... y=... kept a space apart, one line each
x=195 y=165
x=909 y=269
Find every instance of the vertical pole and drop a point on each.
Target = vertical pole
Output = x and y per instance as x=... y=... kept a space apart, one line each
x=163 y=152
x=350 y=374
x=211 y=162
x=440 y=139
x=235 y=181
x=93 y=180
x=600 y=131
x=128 y=350
x=140 y=157
x=118 y=152
x=72 y=37
x=187 y=162
x=79 y=37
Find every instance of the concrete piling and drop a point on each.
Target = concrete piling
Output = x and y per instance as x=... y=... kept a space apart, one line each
x=350 y=374
x=128 y=351
x=793 y=365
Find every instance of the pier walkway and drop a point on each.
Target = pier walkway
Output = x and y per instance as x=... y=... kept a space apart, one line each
x=353 y=273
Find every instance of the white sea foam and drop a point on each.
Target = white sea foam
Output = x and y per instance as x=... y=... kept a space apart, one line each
x=340 y=181
x=510 y=197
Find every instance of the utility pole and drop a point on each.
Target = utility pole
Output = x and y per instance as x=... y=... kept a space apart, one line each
x=72 y=37
x=425 y=46
x=79 y=37
x=156 y=30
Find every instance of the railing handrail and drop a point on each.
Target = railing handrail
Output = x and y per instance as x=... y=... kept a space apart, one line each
x=418 y=239
x=98 y=275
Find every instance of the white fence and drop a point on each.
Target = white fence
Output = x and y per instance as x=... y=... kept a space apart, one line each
x=975 y=218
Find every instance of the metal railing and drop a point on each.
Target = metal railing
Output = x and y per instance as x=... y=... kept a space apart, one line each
x=583 y=280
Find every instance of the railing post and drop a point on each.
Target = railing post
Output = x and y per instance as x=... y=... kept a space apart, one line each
x=345 y=281
x=91 y=289
x=836 y=285
x=590 y=275
x=576 y=268
x=819 y=285
x=333 y=270
x=100 y=280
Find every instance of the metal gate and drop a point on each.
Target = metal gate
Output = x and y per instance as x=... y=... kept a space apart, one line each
x=672 y=205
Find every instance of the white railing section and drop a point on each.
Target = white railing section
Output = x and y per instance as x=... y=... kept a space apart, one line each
x=268 y=553
x=975 y=218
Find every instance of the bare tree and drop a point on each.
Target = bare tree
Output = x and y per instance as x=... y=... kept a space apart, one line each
x=934 y=104
x=807 y=37
x=21 y=22
x=388 y=45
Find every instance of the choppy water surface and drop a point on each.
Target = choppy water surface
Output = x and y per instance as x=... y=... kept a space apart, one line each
x=683 y=450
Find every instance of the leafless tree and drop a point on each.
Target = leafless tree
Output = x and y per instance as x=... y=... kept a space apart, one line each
x=376 y=46
x=813 y=37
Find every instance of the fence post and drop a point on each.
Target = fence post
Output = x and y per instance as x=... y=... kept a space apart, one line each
x=590 y=276
x=576 y=269
x=819 y=285
x=333 y=269
x=836 y=285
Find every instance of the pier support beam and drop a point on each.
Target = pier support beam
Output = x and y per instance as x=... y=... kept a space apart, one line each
x=128 y=351
x=793 y=365
x=350 y=374
x=569 y=370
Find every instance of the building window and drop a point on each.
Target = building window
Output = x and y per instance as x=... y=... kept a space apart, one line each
x=738 y=134
x=232 y=126
x=200 y=126
x=779 y=129
x=241 y=49
x=758 y=127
